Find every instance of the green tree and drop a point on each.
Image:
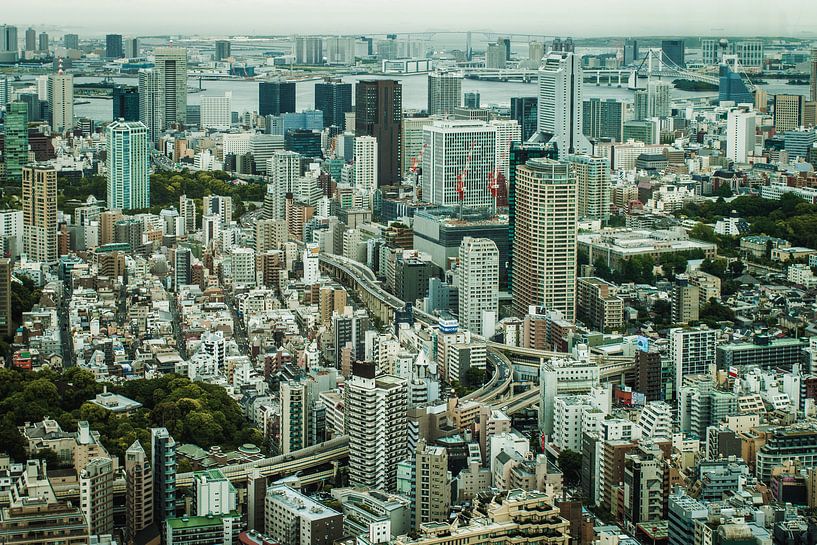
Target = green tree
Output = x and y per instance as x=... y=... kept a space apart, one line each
x=716 y=267
x=570 y=462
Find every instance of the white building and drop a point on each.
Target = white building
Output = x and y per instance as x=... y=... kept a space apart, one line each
x=459 y=158
x=216 y=112
x=565 y=376
x=568 y=411
x=366 y=163
x=691 y=351
x=656 y=421
x=11 y=230
x=61 y=101
x=592 y=186
x=311 y=264
x=507 y=132
x=478 y=271
x=560 y=103
x=128 y=165
x=740 y=135
x=214 y=493
x=444 y=92
x=284 y=167
x=243 y=266
x=658 y=101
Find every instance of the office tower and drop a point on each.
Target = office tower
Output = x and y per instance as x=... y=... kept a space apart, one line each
x=171 y=68
x=536 y=52
x=691 y=351
x=378 y=113
x=641 y=105
x=149 y=108
x=61 y=101
x=113 y=46
x=6 y=324
x=213 y=494
x=507 y=132
x=411 y=142
x=303 y=142
x=375 y=414
x=545 y=237
x=560 y=104
x=276 y=97
x=128 y=165
x=96 y=495
x=813 y=76
x=308 y=50
x=749 y=53
x=334 y=99
x=9 y=48
x=138 y=491
x=182 y=267
x=630 y=51
x=432 y=490
x=444 y=92
x=603 y=118
x=788 y=112
x=685 y=301
x=294 y=413
x=478 y=273
x=70 y=41
x=731 y=87
x=709 y=51
x=31 y=40
x=216 y=112
x=673 y=51
x=39 y=199
x=740 y=135
x=366 y=163
x=126 y=103
x=593 y=186
x=223 y=50
x=658 y=99
x=163 y=456
x=495 y=56
x=524 y=110
x=131 y=48
x=43 y=42
x=15 y=144
x=459 y=157
x=471 y=99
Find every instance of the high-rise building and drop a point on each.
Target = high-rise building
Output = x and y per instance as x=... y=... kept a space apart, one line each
x=593 y=186
x=731 y=87
x=187 y=211
x=545 y=237
x=284 y=167
x=478 y=273
x=375 y=414
x=70 y=41
x=673 y=51
x=432 y=491
x=31 y=40
x=128 y=165
x=691 y=351
x=216 y=111
x=308 y=50
x=471 y=99
x=213 y=494
x=294 y=413
x=42 y=42
x=412 y=143
x=366 y=163
x=163 y=455
x=131 y=48
x=495 y=56
x=96 y=495
x=113 y=46
x=444 y=92
x=6 y=324
x=813 y=76
x=138 y=491
x=740 y=135
x=150 y=112
x=630 y=51
x=221 y=206
x=15 y=144
x=560 y=104
x=126 y=103
x=39 y=199
x=9 y=48
x=788 y=112
x=658 y=99
x=709 y=51
x=61 y=101
x=508 y=131
x=171 y=70
x=378 y=113
x=223 y=50
x=276 y=97
x=459 y=157
x=524 y=110
x=749 y=53
x=685 y=301
x=334 y=99
x=603 y=118
x=536 y=52
x=182 y=267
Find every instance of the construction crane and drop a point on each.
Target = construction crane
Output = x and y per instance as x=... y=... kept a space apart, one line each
x=495 y=177
x=461 y=177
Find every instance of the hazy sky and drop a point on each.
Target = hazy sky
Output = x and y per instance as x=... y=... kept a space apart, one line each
x=541 y=17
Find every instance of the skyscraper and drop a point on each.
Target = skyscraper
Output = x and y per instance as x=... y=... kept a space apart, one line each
x=223 y=50
x=334 y=99
x=163 y=455
x=593 y=186
x=471 y=99
x=171 y=68
x=788 y=112
x=294 y=415
x=366 y=163
x=15 y=144
x=9 y=48
x=740 y=135
x=378 y=113
x=673 y=51
x=216 y=111
x=131 y=48
x=128 y=165
x=308 y=50
x=444 y=92
x=31 y=40
x=276 y=97
x=6 y=324
x=545 y=237
x=603 y=118
x=182 y=267
x=709 y=50
x=113 y=46
x=43 y=42
x=61 y=101
x=70 y=41
x=478 y=272
x=536 y=52
x=126 y=103
x=658 y=99
x=39 y=199
x=813 y=78
x=524 y=110
x=560 y=104
x=630 y=51
x=139 y=490
x=150 y=112
x=375 y=414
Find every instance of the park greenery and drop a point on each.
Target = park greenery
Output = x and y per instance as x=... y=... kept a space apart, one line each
x=198 y=413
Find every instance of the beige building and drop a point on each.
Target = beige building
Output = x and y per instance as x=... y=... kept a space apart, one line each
x=598 y=304
x=270 y=234
x=432 y=500
x=139 y=490
x=788 y=112
x=685 y=301
x=96 y=495
x=39 y=199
